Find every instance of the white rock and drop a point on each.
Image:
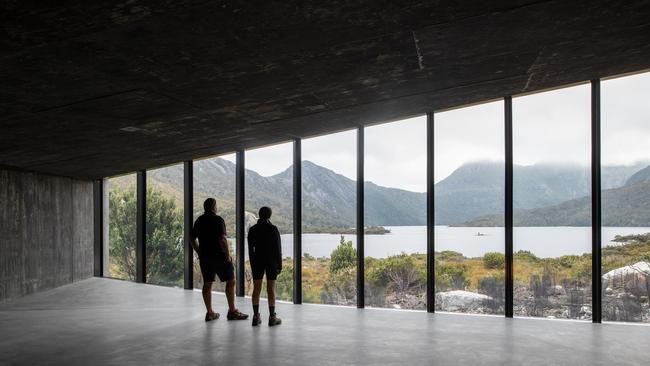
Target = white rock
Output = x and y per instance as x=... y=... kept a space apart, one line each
x=459 y=300
x=631 y=278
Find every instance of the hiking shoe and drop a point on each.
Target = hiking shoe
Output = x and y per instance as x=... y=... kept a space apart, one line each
x=237 y=315
x=210 y=317
x=274 y=320
x=257 y=320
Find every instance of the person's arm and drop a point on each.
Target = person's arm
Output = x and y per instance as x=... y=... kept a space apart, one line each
x=195 y=241
x=251 y=241
x=223 y=241
x=278 y=242
x=195 y=245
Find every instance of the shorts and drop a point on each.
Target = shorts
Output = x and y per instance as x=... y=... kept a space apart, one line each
x=222 y=268
x=271 y=270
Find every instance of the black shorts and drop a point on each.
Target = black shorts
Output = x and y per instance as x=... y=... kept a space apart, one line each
x=222 y=268
x=271 y=270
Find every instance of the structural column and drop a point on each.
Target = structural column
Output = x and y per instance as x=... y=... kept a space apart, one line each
x=431 y=248
x=98 y=226
x=188 y=210
x=141 y=228
x=596 y=218
x=240 y=222
x=297 y=221
x=508 y=209
x=360 y=221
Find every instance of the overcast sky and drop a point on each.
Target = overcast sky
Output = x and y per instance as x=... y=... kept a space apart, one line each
x=547 y=127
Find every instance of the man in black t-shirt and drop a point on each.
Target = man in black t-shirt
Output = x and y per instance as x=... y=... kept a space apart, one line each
x=265 y=252
x=210 y=242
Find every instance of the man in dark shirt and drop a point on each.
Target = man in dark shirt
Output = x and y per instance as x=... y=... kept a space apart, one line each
x=215 y=259
x=265 y=252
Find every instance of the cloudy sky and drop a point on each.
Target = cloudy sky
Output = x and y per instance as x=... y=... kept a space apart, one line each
x=547 y=127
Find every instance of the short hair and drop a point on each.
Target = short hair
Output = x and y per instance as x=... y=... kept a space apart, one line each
x=210 y=205
x=265 y=213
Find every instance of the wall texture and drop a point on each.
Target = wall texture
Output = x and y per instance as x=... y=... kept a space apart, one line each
x=46 y=232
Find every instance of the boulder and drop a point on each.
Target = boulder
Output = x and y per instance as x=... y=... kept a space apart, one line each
x=634 y=279
x=461 y=301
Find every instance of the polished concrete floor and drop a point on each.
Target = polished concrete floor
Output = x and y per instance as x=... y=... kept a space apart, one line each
x=111 y=322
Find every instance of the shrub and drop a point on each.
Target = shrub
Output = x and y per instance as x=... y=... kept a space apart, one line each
x=494 y=260
x=343 y=256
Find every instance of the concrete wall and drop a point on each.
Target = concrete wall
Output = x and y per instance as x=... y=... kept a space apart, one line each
x=46 y=232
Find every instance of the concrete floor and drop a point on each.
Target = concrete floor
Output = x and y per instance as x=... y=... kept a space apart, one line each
x=111 y=322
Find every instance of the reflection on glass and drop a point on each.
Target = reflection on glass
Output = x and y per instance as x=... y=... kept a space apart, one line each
x=469 y=196
x=552 y=216
x=269 y=182
x=165 y=226
x=329 y=219
x=625 y=118
x=215 y=177
x=395 y=214
x=122 y=217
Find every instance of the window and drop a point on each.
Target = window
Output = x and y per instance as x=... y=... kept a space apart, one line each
x=215 y=177
x=395 y=216
x=469 y=202
x=122 y=217
x=269 y=182
x=552 y=204
x=164 y=231
x=329 y=219
x=625 y=135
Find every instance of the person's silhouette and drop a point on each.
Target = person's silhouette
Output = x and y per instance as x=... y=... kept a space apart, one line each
x=209 y=241
x=265 y=254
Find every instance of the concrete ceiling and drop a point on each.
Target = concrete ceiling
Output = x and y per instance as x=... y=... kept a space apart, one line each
x=98 y=88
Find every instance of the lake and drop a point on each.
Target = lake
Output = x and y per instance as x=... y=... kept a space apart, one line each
x=542 y=241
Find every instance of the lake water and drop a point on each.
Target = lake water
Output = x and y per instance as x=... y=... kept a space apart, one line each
x=542 y=241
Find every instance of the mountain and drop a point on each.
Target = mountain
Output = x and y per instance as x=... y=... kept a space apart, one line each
x=473 y=193
x=329 y=199
x=476 y=189
x=624 y=206
x=642 y=175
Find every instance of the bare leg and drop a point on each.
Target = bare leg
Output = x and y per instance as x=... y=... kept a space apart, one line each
x=270 y=289
x=257 y=289
x=207 y=297
x=230 y=295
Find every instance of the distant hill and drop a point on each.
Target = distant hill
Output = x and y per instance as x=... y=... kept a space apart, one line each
x=329 y=199
x=625 y=206
x=642 y=175
x=472 y=194
x=476 y=189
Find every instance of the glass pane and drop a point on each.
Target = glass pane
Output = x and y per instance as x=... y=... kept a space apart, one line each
x=552 y=216
x=215 y=178
x=122 y=217
x=329 y=267
x=269 y=182
x=469 y=202
x=164 y=232
x=396 y=214
x=625 y=118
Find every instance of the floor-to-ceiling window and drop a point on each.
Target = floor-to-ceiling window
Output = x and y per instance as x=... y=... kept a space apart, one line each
x=395 y=214
x=215 y=178
x=625 y=137
x=269 y=182
x=329 y=219
x=469 y=203
x=164 y=229
x=122 y=217
x=552 y=203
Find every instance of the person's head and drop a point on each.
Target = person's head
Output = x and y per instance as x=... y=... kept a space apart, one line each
x=265 y=213
x=210 y=205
